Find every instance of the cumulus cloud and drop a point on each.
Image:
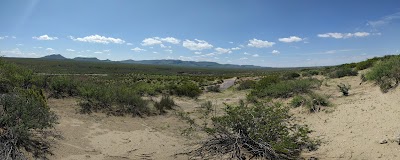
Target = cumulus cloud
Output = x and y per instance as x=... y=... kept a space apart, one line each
x=222 y=50
x=275 y=52
x=99 y=39
x=171 y=40
x=70 y=50
x=260 y=43
x=343 y=35
x=235 y=48
x=197 y=45
x=256 y=55
x=245 y=53
x=243 y=58
x=129 y=44
x=98 y=52
x=169 y=50
x=158 y=40
x=17 y=53
x=290 y=39
x=45 y=38
x=197 y=52
x=137 y=49
x=49 y=49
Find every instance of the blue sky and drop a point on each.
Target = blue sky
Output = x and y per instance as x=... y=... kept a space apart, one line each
x=276 y=33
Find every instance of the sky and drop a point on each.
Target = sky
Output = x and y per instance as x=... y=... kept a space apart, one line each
x=272 y=33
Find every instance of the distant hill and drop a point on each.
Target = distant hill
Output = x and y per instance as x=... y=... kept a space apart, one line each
x=202 y=64
x=54 y=56
x=188 y=63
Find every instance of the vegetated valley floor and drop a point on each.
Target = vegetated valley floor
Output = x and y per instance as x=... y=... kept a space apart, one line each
x=352 y=129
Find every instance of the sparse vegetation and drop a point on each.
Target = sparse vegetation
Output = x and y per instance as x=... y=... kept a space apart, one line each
x=344 y=88
x=213 y=88
x=297 y=101
x=247 y=84
x=316 y=101
x=256 y=131
x=166 y=103
x=386 y=73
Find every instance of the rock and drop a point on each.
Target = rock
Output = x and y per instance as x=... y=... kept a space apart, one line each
x=384 y=141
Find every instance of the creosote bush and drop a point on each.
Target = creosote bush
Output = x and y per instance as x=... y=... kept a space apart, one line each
x=166 y=103
x=188 y=89
x=386 y=73
x=344 y=88
x=263 y=131
x=340 y=72
x=297 y=101
x=315 y=101
x=213 y=88
x=247 y=84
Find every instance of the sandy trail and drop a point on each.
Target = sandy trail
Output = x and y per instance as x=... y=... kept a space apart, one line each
x=358 y=122
x=227 y=83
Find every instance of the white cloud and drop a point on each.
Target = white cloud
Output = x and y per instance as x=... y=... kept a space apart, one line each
x=137 y=49
x=245 y=53
x=244 y=58
x=17 y=53
x=99 y=39
x=275 y=52
x=49 y=49
x=151 y=41
x=197 y=45
x=2 y=38
x=343 y=35
x=222 y=50
x=384 y=20
x=45 y=38
x=13 y=37
x=291 y=39
x=70 y=50
x=19 y=44
x=256 y=55
x=235 y=48
x=98 y=52
x=155 y=52
x=260 y=43
x=171 y=40
x=231 y=42
x=129 y=44
x=197 y=52
x=158 y=40
x=106 y=50
x=37 y=47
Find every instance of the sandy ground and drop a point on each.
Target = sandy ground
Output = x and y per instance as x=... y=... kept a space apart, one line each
x=351 y=129
x=355 y=126
x=98 y=136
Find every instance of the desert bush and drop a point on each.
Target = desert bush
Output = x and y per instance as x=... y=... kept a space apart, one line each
x=285 y=89
x=385 y=73
x=315 y=101
x=62 y=86
x=297 y=101
x=290 y=76
x=24 y=118
x=342 y=72
x=365 y=64
x=258 y=131
x=115 y=100
x=188 y=89
x=247 y=84
x=213 y=88
x=344 y=89
x=166 y=103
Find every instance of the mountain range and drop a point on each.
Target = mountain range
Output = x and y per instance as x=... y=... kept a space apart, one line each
x=170 y=62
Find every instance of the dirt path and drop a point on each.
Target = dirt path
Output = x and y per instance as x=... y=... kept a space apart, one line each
x=358 y=123
x=227 y=83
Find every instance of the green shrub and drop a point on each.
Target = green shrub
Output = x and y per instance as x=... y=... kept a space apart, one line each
x=297 y=101
x=213 y=88
x=316 y=101
x=286 y=89
x=258 y=131
x=342 y=72
x=386 y=73
x=290 y=76
x=62 y=86
x=344 y=89
x=247 y=84
x=23 y=115
x=365 y=64
x=166 y=103
x=188 y=89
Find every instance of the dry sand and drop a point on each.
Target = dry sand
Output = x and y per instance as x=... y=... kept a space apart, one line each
x=351 y=129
